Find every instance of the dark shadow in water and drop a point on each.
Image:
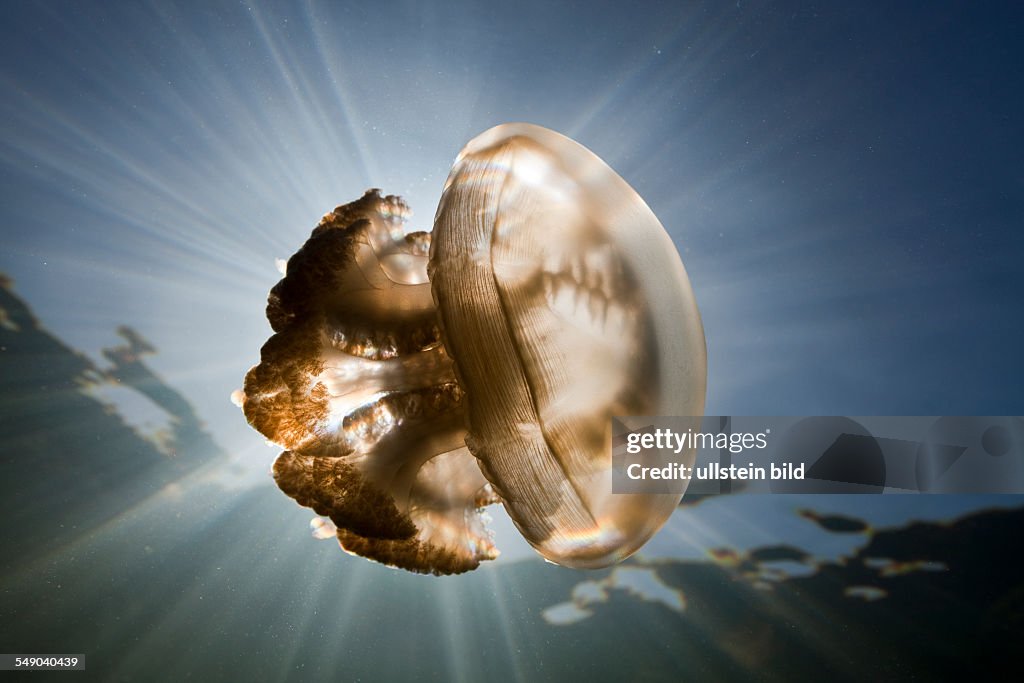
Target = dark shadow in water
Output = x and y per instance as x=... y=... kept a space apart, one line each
x=68 y=461
x=128 y=369
x=935 y=601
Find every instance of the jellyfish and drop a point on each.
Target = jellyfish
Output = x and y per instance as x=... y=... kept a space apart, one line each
x=414 y=379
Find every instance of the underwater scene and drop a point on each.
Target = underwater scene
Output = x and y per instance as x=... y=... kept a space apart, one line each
x=256 y=425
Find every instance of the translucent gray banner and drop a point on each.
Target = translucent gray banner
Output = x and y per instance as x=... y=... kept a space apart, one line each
x=729 y=454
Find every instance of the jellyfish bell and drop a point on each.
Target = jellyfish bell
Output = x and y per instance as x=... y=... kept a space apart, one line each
x=410 y=391
x=563 y=303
